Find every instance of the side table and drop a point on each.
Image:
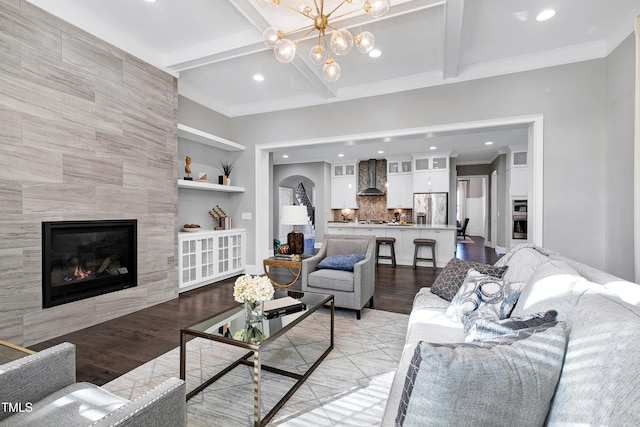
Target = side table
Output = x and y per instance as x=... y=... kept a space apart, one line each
x=294 y=267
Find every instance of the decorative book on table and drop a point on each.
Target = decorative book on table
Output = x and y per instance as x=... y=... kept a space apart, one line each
x=282 y=306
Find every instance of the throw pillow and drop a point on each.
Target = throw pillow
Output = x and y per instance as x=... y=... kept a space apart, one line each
x=448 y=282
x=340 y=262
x=507 y=381
x=477 y=328
x=481 y=291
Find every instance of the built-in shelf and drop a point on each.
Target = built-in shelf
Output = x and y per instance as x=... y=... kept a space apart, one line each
x=205 y=138
x=208 y=186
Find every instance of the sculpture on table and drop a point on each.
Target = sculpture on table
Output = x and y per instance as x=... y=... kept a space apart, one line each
x=187 y=169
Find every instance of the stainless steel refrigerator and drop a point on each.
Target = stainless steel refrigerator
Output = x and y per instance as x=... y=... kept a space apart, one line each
x=431 y=208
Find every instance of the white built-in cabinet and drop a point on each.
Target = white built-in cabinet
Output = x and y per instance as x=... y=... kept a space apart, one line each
x=207 y=256
x=399 y=183
x=431 y=173
x=210 y=255
x=517 y=172
x=344 y=186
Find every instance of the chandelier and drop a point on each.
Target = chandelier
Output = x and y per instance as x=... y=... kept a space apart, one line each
x=322 y=17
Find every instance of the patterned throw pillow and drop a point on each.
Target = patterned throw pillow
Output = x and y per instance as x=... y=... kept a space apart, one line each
x=495 y=297
x=506 y=381
x=478 y=328
x=448 y=282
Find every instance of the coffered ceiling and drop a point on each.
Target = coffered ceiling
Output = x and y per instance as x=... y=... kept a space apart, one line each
x=215 y=46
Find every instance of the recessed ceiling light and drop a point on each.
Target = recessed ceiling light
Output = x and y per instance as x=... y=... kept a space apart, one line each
x=258 y=77
x=380 y=152
x=375 y=53
x=150 y=1
x=340 y=155
x=545 y=15
x=488 y=143
x=285 y=156
x=433 y=147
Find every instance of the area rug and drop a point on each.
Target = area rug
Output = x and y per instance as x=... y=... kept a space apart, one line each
x=465 y=240
x=349 y=388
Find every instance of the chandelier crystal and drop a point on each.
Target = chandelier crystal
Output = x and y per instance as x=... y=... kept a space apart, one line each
x=330 y=38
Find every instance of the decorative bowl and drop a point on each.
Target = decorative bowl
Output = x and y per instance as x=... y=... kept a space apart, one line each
x=192 y=229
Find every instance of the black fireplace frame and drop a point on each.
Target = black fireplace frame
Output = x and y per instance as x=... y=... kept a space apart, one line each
x=75 y=292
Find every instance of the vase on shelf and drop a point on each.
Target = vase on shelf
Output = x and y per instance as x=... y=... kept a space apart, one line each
x=253 y=312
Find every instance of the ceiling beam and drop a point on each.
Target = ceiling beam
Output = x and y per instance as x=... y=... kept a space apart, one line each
x=453 y=18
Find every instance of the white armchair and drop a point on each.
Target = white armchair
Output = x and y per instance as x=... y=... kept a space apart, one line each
x=351 y=289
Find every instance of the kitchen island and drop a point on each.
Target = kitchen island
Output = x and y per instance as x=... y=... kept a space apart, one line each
x=444 y=235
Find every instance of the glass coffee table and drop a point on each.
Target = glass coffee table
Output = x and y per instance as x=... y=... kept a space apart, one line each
x=221 y=327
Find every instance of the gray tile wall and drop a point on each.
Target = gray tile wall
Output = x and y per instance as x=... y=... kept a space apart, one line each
x=86 y=132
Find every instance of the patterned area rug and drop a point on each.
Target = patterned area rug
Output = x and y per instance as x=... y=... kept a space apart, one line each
x=349 y=388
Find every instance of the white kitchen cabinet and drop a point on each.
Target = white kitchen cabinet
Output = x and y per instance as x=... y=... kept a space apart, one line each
x=445 y=246
x=344 y=186
x=210 y=255
x=404 y=243
x=400 y=191
x=399 y=183
x=431 y=181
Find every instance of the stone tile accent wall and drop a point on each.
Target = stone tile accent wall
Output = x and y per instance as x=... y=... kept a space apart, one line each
x=86 y=132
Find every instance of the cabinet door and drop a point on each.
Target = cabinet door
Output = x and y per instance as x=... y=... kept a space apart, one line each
x=237 y=258
x=223 y=254
x=343 y=192
x=400 y=191
x=188 y=259
x=440 y=181
x=207 y=258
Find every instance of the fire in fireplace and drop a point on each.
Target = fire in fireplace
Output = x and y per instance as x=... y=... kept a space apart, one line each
x=82 y=259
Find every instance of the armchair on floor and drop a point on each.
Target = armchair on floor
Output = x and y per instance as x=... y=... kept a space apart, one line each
x=344 y=267
x=462 y=231
x=42 y=390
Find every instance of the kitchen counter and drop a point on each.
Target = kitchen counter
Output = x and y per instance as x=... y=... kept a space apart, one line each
x=444 y=235
x=390 y=225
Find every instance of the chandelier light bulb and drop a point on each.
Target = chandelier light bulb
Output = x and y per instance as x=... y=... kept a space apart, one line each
x=270 y=37
x=376 y=8
x=317 y=55
x=341 y=42
x=365 y=42
x=285 y=50
x=331 y=70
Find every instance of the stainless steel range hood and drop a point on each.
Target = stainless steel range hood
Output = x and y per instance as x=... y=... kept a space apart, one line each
x=371 y=189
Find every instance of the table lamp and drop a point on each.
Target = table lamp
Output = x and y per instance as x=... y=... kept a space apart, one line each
x=294 y=215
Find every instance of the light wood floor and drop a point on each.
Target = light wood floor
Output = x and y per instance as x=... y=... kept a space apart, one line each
x=112 y=348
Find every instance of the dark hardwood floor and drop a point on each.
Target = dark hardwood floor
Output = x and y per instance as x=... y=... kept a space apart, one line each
x=112 y=348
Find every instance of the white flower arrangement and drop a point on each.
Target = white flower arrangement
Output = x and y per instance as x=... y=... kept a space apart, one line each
x=252 y=289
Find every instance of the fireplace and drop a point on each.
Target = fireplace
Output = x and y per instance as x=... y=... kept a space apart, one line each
x=82 y=259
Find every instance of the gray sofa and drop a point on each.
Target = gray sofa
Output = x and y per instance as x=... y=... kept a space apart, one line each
x=351 y=289
x=588 y=361
x=40 y=390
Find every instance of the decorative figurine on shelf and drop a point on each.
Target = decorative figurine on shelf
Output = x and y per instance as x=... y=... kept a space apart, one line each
x=187 y=169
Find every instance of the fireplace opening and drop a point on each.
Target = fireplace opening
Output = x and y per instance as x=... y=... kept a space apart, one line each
x=82 y=259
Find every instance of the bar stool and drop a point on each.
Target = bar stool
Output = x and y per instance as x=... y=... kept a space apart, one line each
x=424 y=242
x=386 y=241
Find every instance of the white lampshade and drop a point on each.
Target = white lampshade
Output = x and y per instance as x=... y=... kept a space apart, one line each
x=293 y=215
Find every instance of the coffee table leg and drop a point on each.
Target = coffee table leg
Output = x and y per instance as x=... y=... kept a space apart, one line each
x=183 y=355
x=256 y=388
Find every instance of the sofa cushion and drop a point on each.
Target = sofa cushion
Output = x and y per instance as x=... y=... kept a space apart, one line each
x=480 y=291
x=340 y=262
x=78 y=404
x=552 y=286
x=337 y=280
x=600 y=380
x=522 y=260
x=508 y=381
x=478 y=328
x=453 y=274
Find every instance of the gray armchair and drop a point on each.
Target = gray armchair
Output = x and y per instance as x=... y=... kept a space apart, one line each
x=41 y=390
x=351 y=289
